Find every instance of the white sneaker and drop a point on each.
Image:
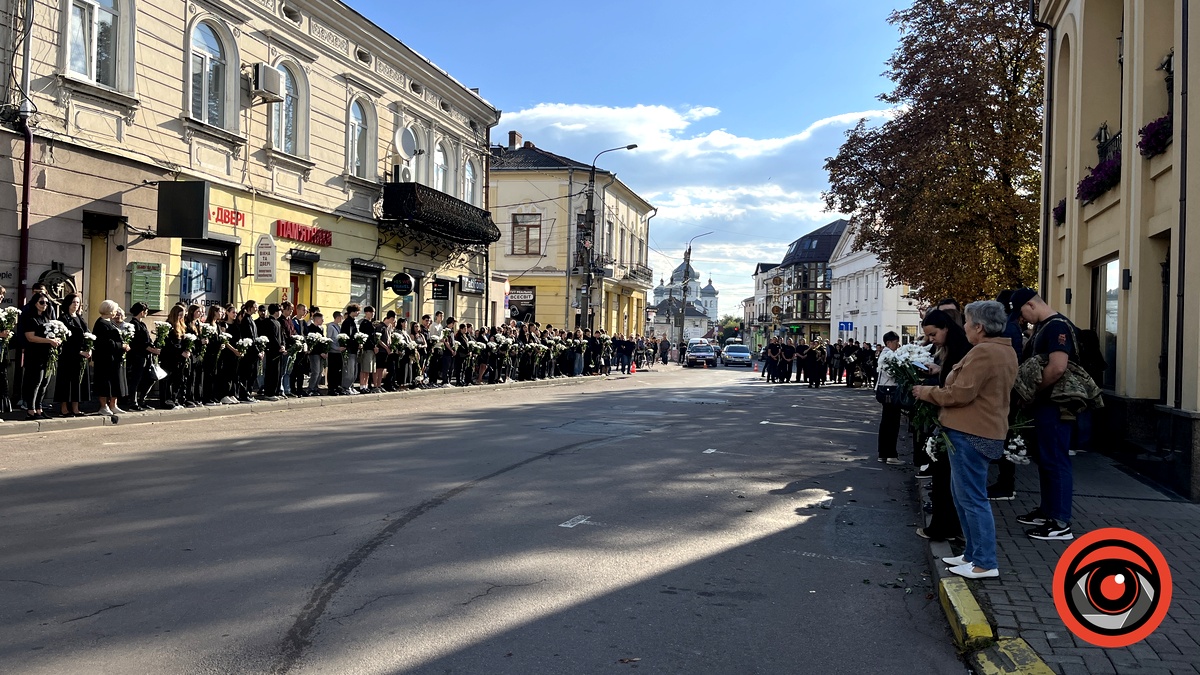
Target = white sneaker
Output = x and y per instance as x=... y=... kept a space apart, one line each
x=105 y=412
x=178 y=407
x=117 y=411
x=894 y=461
x=229 y=400
x=968 y=570
x=955 y=561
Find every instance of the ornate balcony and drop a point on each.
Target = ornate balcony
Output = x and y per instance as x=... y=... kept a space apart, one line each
x=642 y=273
x=436 y=213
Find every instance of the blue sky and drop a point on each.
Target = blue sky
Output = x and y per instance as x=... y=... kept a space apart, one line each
x=734 y=107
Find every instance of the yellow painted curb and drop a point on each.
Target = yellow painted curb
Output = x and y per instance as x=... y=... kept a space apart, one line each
x=971 y=628
x=1008 y=657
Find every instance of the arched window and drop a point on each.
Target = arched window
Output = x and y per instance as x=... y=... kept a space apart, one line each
x=441 y=170
x=208 y=76
x=285 y=115
x=470 y=185
x=359 y=143
x=93 y=40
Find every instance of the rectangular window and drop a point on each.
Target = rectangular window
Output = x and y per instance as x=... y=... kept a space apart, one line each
x=364 y=288
x=527 y=234
x=1106 y=287
x=620 y=255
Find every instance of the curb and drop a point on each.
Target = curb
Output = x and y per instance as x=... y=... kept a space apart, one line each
x=971 y=626
x=1009 y=656
x=14 y=428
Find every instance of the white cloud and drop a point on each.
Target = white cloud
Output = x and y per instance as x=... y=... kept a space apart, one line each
x=755 y=194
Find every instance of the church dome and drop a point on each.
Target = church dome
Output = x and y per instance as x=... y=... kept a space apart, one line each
x=708 y=290
x=677 y=276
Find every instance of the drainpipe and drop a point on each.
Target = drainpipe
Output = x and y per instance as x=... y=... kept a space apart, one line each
x=487 y=258
x=1183 y=166
x=1048 y=145
x=647 y=303
x=25 y=112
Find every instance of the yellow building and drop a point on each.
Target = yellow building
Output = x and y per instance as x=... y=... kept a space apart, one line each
x=1116 y=252
x=538 y=199
x=225 y=151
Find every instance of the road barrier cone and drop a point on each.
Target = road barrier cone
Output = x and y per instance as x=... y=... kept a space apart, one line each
x=706 y=365
x=756 y=367
x=633 y=369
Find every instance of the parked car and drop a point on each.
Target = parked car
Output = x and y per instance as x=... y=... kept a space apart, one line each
x=701 y=353
x=737 y=355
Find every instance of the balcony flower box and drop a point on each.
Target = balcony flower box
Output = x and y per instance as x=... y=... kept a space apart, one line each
x=1155 y=137
x=1103 y=177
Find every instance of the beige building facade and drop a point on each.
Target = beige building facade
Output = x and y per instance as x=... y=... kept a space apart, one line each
x=1117 y=256
x=216 y=151
x=538 y=198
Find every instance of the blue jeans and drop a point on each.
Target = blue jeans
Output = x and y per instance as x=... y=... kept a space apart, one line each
x=1054 y=462
x=968 y=484
x=623 y=361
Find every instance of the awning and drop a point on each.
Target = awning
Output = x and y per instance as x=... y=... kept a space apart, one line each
x=413 y=206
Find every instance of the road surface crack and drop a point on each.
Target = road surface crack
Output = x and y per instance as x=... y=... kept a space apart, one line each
x=365 y=604
x=30 y=581
x=86 y=616
x=492 y=587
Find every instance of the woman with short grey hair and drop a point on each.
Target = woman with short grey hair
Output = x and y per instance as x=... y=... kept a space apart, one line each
x=974 y=414
x=990 y=315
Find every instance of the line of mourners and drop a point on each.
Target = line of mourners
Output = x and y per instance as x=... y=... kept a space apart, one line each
x=225 y=355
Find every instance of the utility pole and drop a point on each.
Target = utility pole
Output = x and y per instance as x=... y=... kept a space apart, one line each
x=687 y=279
x=586 y=232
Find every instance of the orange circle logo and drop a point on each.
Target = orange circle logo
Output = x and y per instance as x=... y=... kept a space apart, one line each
x=1112 y=587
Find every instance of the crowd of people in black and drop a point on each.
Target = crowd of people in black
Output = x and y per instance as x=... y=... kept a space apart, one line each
x=819 y=363
x=225 y=355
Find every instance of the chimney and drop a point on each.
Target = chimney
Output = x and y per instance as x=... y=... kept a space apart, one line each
x=514 y=140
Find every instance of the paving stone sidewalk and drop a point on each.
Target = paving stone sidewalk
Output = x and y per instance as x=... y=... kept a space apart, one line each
x=1021 y=603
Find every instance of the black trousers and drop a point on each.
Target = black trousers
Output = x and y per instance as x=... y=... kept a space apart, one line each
x=943 y=522
x=333 y=375
x=271 y=381
x=889 y=431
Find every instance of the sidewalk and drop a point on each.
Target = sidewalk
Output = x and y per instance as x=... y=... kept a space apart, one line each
x=1020 y=603
x=13 y=424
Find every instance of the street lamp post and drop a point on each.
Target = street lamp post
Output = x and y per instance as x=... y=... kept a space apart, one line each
x=687 y=262
x=587 y=233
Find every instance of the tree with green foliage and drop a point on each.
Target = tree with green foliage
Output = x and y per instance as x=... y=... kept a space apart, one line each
x=946 y=192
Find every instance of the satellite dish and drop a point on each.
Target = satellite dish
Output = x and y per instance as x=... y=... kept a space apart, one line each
x=405 y=143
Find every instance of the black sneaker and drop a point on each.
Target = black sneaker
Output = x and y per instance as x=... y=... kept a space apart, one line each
x=998 y=494
x=1034 y=517
x=925 y=471
x=1051 y=531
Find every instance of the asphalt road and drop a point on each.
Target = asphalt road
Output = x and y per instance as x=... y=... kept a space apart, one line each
x=674 y=521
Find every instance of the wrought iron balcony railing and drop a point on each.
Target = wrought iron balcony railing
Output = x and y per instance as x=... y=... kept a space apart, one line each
x=434 y=212
x=639 y=272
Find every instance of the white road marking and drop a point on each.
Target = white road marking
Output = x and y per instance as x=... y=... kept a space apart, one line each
x=710 y=451
x=574 y=521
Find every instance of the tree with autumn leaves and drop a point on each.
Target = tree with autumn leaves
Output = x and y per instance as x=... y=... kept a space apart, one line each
x=946 y=192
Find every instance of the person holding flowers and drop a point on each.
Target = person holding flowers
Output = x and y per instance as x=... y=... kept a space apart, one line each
x=8 y=328
x=138 y=359
x=351 y=346
x=73 y=384
x=887 y=392
x=318 y=351
x=176 y=358
x=944 y=331
x=108 y=356
x=974 y=401
x=41 y=347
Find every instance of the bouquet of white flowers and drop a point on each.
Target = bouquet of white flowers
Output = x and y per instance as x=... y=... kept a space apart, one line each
x=360 y=341
x=55 y=330
x=188 y=342
x=89 y=341
x=208 y=333
x=909 y=366
x=8 y=322
x=242 y=346
x=318 y=343
x=1015 y=449
x=127 y=332
x=162 y=329
x=295 y=347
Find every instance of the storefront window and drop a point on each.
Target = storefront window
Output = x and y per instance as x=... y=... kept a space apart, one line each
x=203 y=276
x=443 y=297
x=364 y=288
x=1106 y=285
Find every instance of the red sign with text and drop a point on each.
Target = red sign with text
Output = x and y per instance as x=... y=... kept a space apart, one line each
x=224 y=216
x=305 y=234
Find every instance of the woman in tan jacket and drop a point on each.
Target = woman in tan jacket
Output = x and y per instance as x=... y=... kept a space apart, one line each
x=974 y=403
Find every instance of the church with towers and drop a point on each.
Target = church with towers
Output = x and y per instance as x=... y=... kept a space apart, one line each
x=702 y=298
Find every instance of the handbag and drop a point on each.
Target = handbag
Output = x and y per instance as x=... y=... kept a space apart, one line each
x=888 y=394
x=158 y=371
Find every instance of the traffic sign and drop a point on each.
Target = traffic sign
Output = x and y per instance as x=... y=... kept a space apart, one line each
x=845 y=325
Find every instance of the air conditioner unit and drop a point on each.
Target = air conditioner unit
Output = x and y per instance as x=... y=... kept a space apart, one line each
x=267 y=83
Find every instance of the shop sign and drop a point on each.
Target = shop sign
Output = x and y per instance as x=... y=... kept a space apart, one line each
x=305 y=234
x=441 y=289
x=521 y=302
x=223 y=216
x=264 y=260
x=402 y=284
x=476 y=285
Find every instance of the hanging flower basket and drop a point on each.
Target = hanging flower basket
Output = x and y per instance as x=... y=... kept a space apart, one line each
x=1103 y=177
x=1060 y=212
x=1155 y=137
